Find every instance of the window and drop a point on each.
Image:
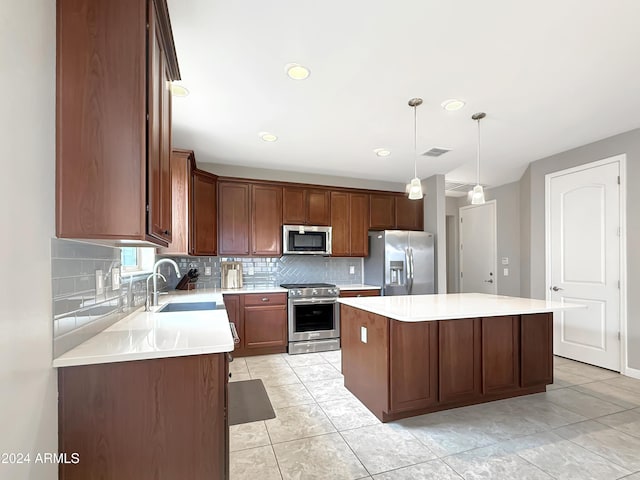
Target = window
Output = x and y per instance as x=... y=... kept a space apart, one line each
x=137 y=259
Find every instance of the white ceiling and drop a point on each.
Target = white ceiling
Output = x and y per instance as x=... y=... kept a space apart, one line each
x=551 y=75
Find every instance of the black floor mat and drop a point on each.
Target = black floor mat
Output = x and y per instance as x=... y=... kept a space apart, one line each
x=249 y=402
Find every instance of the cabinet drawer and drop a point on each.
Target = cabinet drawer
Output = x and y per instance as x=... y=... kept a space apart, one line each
x=265 y=299
x=360 y=293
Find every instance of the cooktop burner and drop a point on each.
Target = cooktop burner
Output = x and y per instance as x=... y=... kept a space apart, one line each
x=307 y=285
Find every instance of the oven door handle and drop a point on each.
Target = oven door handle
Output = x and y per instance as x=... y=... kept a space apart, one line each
x=313 y=301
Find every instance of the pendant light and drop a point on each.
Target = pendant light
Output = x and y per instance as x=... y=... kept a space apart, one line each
x=415 y=187
x=477 y=194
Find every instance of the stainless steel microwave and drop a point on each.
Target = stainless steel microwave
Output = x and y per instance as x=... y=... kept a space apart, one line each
x=305 y=240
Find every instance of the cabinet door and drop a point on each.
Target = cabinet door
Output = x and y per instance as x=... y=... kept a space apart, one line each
x=500 y=354
x=232 y=306
x=413 y=365
x=382 y=212
x=294 y=206
x=359 y=224
x=181 y=203
x=409 y=214
x=460 y=359
x=265 y=326
x=203 y=214
x=340 y=225
x=266 y=220
x=536 y=337
x=233 y=218
x=318 y=207
x=158 y=169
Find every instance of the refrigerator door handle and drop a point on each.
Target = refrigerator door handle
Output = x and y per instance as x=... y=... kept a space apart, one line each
x=409 y=261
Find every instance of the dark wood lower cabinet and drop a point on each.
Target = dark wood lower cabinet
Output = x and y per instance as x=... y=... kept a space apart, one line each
x=413 y=376
x=536 y=346
x=459 y=359
x=159 y=419
x=260 y=320
x=401 y=369
x=500 y=354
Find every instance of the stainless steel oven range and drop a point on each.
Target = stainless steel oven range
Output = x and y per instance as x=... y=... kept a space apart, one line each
x=314 y=317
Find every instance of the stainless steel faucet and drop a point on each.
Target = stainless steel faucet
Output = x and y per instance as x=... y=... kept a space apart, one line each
x=146 y=298
x=155 y=278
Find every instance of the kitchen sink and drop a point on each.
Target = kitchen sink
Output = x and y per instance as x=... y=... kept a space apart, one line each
x=190 y=307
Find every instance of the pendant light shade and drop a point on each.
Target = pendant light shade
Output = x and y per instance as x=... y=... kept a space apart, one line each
x=415 y=187
x=476 y=196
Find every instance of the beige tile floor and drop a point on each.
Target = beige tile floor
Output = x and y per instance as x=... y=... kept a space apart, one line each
x=586 y=426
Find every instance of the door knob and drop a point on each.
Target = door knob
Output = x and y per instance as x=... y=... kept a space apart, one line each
x=556 y=289
x=489 y=281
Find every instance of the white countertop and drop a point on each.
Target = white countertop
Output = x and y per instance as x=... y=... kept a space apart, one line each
x=424 y=308
x=148 y=335
x=359 y=286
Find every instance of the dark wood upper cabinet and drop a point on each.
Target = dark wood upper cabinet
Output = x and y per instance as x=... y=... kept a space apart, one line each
x=294 y=206
x=349 y=222
x=306 y=206
x=359 y=206
x=409 y=213
x=266 y=220
x=382 y=213
x=340 y=225
x=204 y=236
x=233 y=218
x=182 y=165
x=113 y=120
x=318 y=207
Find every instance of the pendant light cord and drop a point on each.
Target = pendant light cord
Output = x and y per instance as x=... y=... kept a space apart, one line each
x=478 y=156
x=415 y=141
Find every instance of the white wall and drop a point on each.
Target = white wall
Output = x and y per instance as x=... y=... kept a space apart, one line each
x=533 y=231
x=28 y=386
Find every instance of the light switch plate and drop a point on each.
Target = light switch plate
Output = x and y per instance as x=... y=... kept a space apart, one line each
x=115 y=279
x=363 y=334
x=505 y=260
x=352 y=269
x=99 y=282
x=207 y=271
x=505 y=272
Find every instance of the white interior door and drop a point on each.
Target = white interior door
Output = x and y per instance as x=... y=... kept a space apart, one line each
x=478 y=248
x=583 y=261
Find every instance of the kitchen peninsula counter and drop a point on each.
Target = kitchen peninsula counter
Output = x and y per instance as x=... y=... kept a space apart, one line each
x=408 y=355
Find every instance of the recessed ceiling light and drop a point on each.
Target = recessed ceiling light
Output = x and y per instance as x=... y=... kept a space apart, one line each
x=382 y=152
x=178 y=90
x=452 y=104
x=268 y=137
x=296 y=71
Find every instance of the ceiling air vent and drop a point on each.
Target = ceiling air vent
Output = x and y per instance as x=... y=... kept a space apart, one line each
x=459 y=187
x=435 y=152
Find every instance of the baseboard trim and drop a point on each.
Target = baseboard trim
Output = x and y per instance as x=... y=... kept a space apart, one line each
x=632 y=372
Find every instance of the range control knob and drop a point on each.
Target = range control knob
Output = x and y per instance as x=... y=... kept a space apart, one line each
x=314 y=292
x=298 y=292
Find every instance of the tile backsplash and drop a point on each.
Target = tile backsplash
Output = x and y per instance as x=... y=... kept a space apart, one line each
x=79 y=311
x=271 y=272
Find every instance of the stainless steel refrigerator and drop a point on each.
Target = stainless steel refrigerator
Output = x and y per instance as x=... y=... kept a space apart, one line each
x=400 y=262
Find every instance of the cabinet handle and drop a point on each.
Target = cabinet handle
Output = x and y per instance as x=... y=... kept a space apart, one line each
x=167 y=232
x=265 y=299
x=234 y=332
x=229 y=359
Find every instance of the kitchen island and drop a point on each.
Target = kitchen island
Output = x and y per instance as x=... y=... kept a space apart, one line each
x=408 y=355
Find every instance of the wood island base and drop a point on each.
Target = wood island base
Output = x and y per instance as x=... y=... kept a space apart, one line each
x=399 y=369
